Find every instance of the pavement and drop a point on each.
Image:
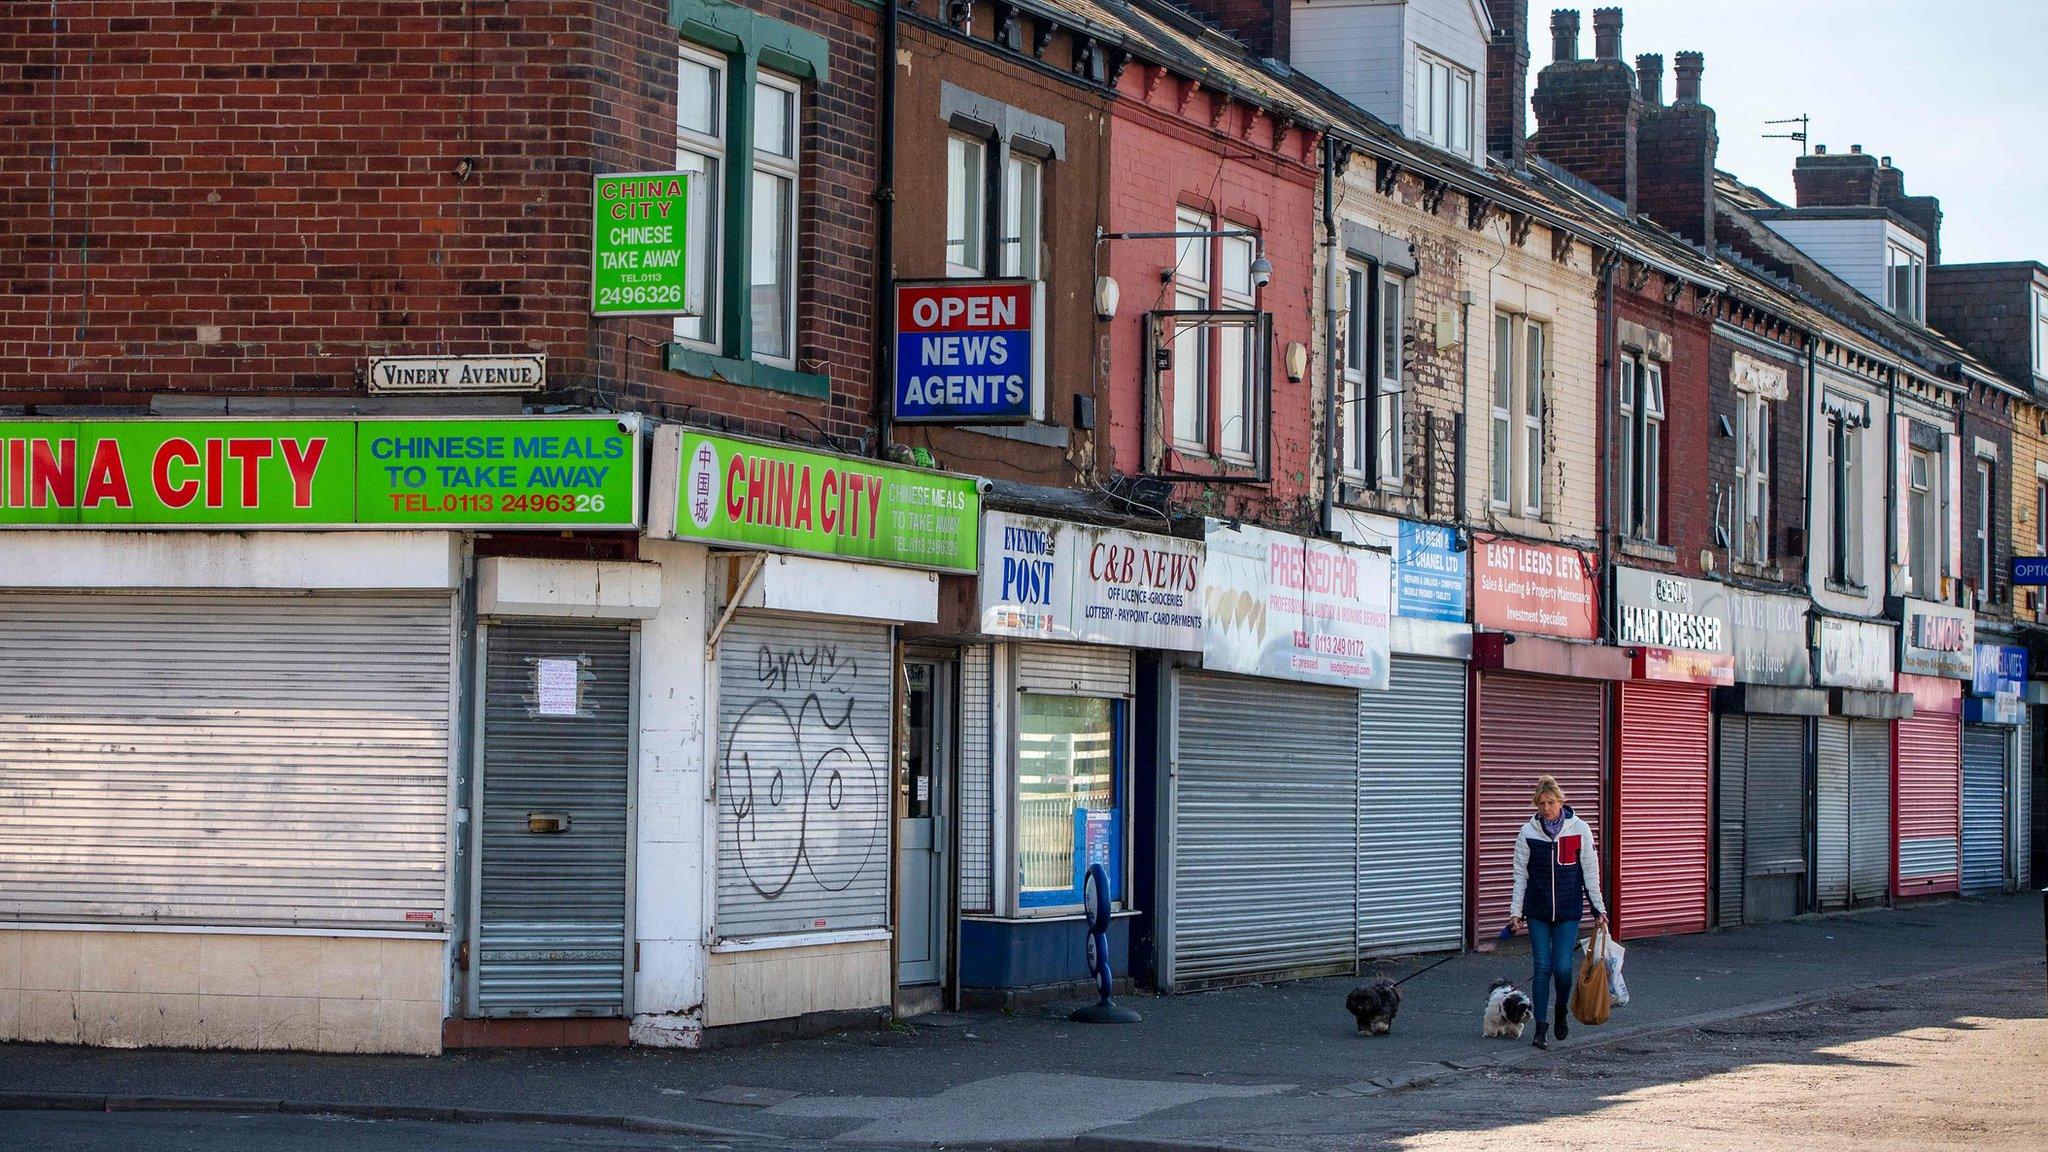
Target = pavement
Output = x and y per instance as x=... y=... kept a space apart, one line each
x=1241 y=1067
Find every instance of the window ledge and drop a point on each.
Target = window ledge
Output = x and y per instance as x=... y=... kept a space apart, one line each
x=1769 y=572
x=745 y=373
x=1049 y=435
x=1645 y=550
x=1846 y=589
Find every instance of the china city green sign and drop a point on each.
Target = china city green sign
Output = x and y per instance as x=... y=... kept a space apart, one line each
x=749 y=495
x=499 y=473
x=639 y=245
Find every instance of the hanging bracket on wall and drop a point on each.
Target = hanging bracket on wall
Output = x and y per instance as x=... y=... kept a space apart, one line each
x=732 y=604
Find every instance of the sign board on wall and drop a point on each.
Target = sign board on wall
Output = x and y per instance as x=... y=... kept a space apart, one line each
x=743 y=494
x=2001 y=671
x=641 y=231
x=1053 y=580
x=437 y=375
x=1537 y=588
x=970 y=351
x=1937 y=640
x=1682 y=624
x=1770 y=637
x=496 y=473
x=1856 y=654
x=2030 y=571
x=1294 y=609
x=1429 y=564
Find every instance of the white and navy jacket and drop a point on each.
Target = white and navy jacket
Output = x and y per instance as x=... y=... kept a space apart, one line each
x=1554 y=877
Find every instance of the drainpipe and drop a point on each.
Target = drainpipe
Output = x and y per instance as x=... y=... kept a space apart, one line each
x=1806 y=497
x=885 y=239
x=1608 y=354
x=1332 y=270
x=1891 y=491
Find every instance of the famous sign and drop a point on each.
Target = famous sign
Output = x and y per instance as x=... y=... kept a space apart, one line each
x=970 y=351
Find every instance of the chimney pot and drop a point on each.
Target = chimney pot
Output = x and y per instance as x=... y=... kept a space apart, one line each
x=1855 y=149
x=1650 y=78
x=1564 y=34
x=1607 y=33
x=1884 y=161
x=1820 y=149
x=1689 y=65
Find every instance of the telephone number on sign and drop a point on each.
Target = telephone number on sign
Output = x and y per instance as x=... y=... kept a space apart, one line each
x=554 y=502
x=525 y=502
x=641 y=294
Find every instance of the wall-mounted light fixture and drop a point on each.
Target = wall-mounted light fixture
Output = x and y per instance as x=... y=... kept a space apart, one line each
x=1106 y=296
x=1297 y=361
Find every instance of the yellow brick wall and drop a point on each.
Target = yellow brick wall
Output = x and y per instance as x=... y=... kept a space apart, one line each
x=2029 y=456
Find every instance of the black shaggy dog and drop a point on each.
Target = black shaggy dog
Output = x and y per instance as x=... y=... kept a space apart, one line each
x=1374 y=1005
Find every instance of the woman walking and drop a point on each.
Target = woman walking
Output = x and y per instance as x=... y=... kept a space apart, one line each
x=1557 y=869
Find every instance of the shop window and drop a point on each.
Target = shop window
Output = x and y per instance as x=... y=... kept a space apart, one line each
x=1070 y=768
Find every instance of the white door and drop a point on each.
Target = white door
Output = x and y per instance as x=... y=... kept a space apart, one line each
x=920 y=822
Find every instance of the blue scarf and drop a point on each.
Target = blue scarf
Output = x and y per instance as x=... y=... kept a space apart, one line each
x=1552 y=827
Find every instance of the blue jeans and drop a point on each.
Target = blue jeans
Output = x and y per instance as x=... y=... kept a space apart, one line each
x=1554 y=943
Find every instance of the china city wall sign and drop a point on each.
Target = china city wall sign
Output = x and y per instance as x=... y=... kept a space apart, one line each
x=497 y=473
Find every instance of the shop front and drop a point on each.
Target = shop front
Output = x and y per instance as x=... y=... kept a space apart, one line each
x=1540 y=703
x=1857 y=668
x=240 y=748
x=1994 y=715
x=1937 y=647
x=1049 y=717
x=1765 y=723
x=1260 y=811
x=1681 y=649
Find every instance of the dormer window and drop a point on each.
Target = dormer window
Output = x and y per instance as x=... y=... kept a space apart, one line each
x=1443 y=104
x=1905 y=278
x=2040 y=332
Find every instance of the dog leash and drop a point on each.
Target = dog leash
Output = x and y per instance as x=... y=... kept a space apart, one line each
x=1505 y=933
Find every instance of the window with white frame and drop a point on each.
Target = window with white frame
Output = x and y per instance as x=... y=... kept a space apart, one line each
x=772 y=269
x=1923 y=523
x=1443 y=104
x=2040 y=332
x=966 y=205
x=1520 y=358
x=1372 y=371
x=1642 y=448
x=700 y=150
x=1023 y=214
x=973 y=246
x=1191 y=288
x=1754 y=421
x=1987 y=536
x=1217 y=401
x=1848 y=422
x=1905 y=277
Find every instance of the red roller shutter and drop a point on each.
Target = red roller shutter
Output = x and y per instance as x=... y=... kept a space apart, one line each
x=1528 y=726
x=1660 y=819
x=1928 y=754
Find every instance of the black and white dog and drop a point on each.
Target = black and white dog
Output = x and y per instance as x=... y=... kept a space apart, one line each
x=1374 y=1006
x=1507 y=1010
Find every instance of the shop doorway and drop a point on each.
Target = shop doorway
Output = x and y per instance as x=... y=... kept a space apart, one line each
x=923 y=799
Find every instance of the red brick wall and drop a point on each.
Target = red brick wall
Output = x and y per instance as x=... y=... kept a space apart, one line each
x=282 y=171
x=1162 y=157
x=1689 y=430
x=1788 y=457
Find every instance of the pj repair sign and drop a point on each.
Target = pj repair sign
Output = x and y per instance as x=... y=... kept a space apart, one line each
x=970 y=351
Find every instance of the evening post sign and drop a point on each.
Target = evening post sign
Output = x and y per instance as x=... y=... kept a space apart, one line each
x=641 y=230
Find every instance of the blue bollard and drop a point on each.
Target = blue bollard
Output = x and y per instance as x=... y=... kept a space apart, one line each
x=1095 y=899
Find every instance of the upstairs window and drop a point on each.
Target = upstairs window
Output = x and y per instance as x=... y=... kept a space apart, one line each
x=1642 y=448
x=2040 y=333
x=1218 y=387
x=1986 y=528
x=1923 y=544
x=1753 y=424
x=1847 y=422
x=1443 y=104
x=1519 y=362
x=994 y=219
x=1372 y=371
x=1023 y=213
x=966 y=206
x=773 y=266
x=1906 y=275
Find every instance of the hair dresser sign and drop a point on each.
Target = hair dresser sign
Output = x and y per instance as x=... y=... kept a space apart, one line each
x=1295 y=609
x=1052 y=580
x=497 y=473
x=1679 y=626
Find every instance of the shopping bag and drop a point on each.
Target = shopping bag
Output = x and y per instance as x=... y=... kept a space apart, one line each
x=1591 y=1001
x=1617 y=988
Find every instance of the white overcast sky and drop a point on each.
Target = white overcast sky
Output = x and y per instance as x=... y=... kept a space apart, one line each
x=1952 y=90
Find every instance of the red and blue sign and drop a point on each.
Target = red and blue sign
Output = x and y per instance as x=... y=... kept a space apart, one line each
x=970 y=351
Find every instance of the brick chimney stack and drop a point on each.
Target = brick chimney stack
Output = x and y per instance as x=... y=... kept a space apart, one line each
x=1507 y=80
x=1588 y=111
x=1650 y=79
x=1689 y=67
x=1676 y=150
x=1856 y=179
x=1264 y=26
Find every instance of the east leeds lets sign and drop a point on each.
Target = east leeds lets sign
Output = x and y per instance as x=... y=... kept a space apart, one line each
x=738 y=493
x=486 y=473
x=970 y=351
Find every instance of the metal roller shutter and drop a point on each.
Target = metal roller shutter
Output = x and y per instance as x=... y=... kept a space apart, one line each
x=1733 y=839
x=552 y=915
x=1660 y=823
x=1081 y=669
x=1530 y=726
x=225 y=759
x=2022 y=792
x=1929 y=751
x=1984 y=756
x=1774 y=818
x=1831 y=813
x=1265 y=811
x=1411 y=776
x=803 y=776
x=1870 y=809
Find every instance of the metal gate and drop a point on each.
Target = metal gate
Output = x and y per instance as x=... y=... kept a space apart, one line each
x=1411 y=776
x=230 y=759
x=1870 y=810
x=1984 y=772
x=1929 y=756
x=1774 y=819
x=1734 y=768
x=1660 y=820
x=1530 y=726
x=554 y=772
x=1265 y=811
x=802 y=776
x=1831 y=813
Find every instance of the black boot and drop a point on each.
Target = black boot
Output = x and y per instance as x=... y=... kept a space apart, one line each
x=1542 y=1029
x=1564 y=1006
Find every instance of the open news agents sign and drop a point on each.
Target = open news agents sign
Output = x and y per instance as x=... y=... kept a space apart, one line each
x=970 y=351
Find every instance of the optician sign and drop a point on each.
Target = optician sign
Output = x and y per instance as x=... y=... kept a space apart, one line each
x=1294 y=609
x=1856 y=654
x=641 y=230
x=1680 y=626
x=970 y=351
x=540 y=472
x=2031 y=571
x=1536 y=588
x=744 y=494
x=1937 y=640
x=1053 y=580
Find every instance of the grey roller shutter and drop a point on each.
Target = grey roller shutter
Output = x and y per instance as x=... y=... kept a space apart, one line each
x=802 y=776
x=1265 y=809
x=1774 y=808
x=1411 y=809
x=552 y=915
x=231 y=759
x=1870 y=809
x=1733 y=840
x=2023 y=806
x=1078 y=669
x=977 y=780
x=1984 y=755
x=1831 y=813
